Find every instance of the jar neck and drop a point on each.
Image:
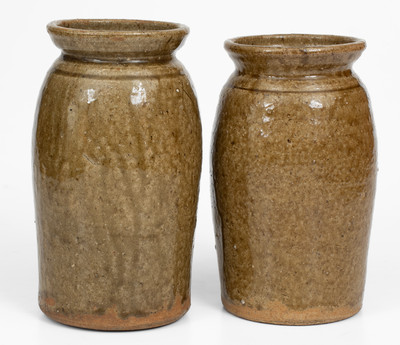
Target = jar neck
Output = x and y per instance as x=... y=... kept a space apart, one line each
x=310 y=83
x=293 y=66
x=69 y=65
x=74 y=56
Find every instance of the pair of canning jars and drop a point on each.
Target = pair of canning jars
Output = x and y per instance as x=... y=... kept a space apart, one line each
x=117 y=159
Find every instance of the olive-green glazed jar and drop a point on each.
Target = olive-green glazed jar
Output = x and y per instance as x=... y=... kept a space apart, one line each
x=294 y=169
x=117 y=156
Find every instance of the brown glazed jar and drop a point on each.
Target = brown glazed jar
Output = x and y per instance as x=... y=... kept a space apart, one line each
x=117 y=156
x=294 y=170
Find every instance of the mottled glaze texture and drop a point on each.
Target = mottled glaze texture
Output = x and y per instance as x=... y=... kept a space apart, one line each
x=294 y=170
x=117 y=157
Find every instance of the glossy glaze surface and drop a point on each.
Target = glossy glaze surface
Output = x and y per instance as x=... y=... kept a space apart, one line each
x=117 y=158
x=294 y=169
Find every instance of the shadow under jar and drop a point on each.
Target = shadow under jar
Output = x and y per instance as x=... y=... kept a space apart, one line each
x=294 y=170
x=117 y=156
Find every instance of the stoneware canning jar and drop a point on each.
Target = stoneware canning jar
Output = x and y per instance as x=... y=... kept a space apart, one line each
x=294 y=169
x=117 y=155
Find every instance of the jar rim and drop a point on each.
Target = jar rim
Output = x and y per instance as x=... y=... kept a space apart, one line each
x=109 y=27
x=117 y=39
x=294 y=44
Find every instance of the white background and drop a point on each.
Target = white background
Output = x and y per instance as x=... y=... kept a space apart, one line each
x=26 y=54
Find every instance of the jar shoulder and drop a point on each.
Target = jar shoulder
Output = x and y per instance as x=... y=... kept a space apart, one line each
x=290 y=125
x=130 y=121
x=73 y=85
x=262 y=99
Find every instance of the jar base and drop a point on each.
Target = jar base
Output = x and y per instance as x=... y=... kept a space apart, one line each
x=280 y=314
x=111 y=321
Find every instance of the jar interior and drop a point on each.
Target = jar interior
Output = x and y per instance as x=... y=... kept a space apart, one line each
x=294 y=41
x=116 y=25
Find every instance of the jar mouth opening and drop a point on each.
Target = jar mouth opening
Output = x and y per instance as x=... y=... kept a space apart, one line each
x=107 y=27
x=294 y=44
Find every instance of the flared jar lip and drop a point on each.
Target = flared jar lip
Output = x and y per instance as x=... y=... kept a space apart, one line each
x=294 y=44
x=115 y=27
x=117 y=39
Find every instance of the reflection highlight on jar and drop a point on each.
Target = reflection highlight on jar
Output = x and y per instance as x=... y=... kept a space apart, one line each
x=91 y=95
x=268 y=107
x=314 y=104
x=138 y=95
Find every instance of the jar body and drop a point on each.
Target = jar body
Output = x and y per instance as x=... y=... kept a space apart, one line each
x=117 y=157
x=294 y=169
